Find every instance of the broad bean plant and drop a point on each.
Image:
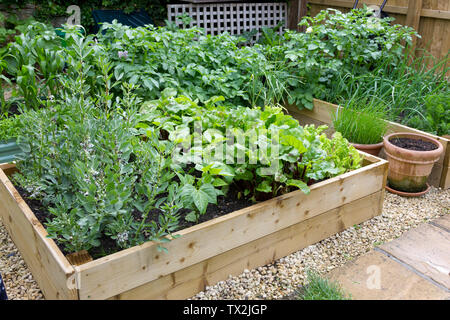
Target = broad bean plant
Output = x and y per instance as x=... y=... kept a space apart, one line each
x=96 y=176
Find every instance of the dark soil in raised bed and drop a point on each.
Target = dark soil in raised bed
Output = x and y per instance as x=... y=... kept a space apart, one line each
x=225 y=204
x=231 y=202
x=413 y=144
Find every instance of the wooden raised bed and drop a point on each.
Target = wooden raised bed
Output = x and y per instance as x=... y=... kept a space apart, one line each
x=321 y=114
x=205 y=253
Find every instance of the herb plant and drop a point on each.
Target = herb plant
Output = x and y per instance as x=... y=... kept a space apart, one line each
x=361 y=122
x=434 y=117
x=407 y=88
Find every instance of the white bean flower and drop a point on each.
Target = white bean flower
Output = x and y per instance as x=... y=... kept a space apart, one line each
x=122 y=54
x=122 y=237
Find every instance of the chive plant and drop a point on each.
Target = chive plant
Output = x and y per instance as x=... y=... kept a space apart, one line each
x=361 y=121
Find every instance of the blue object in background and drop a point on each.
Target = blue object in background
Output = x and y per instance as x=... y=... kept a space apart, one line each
x=3 y=295
x=8 y=150
x=134 y=19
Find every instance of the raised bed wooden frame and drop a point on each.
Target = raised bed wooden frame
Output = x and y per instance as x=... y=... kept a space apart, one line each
x=321 y=114
x=205 y=253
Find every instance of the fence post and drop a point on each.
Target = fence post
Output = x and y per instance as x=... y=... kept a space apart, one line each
x=296 y=11
x=413 y=18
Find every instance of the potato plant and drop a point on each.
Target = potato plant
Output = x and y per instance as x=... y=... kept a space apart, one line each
x=293 y=68
x=333 y=42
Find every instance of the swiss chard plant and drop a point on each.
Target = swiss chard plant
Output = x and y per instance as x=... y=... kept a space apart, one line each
x=265 y=153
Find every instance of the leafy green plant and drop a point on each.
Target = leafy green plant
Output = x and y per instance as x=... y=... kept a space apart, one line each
x=9 y=128
x=435 y=115
x=361 y=122
x=33 y=61
x=4 y=83
x=334 y=42
x=198 y=65
x=318 y=288
x=94 y=190
x=107 y=166
x=111 y=172
x=10 y=26
x=96 y=176
x=403 y=87
x=101 y=180
x=293 y=67
x=196 y=194
x=265 y=152
x=5 y=33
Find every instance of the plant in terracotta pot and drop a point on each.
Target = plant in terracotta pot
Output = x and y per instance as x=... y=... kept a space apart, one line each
x=363 y=125
x=411 y=158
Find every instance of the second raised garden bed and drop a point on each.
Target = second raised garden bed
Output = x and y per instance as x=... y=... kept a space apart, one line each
x=321 y=114
x=205 y=253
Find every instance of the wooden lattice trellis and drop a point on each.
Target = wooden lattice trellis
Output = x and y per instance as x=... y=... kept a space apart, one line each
x=236 y=18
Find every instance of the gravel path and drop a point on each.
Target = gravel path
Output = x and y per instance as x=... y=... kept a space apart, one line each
x=18 y=280
x=281 y=278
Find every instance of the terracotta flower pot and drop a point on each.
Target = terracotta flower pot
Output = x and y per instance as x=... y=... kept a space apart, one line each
x=373 y=149
x=409 y=169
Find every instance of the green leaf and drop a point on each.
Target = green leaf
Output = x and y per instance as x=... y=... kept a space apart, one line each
x=191 y=217
x=134 y=79
x=94 y=242
x=290 y=140
x=211 y=192
x=200 y=199
x=219 y=183
x=299 y=184
x=271 y=120
x=264 y=187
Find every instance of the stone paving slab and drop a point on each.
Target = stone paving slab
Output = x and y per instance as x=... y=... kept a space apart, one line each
x=443 y=222
x=426 y=249
x=375 y=276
